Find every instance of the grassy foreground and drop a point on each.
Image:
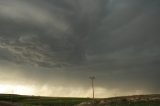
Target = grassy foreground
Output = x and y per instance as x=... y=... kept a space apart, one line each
x=137 y=100
x=23 y=100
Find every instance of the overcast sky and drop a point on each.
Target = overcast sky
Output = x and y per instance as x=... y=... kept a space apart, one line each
x=51 y=47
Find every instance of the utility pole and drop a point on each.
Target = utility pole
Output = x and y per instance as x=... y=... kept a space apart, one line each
x=92 y=79
x=11 y=95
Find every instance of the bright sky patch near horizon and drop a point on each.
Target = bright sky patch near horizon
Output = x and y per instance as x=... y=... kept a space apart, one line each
x=51 y=47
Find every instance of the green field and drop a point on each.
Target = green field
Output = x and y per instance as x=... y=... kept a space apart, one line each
x=23 y=100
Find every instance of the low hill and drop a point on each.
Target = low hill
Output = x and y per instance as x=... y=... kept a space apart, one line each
x=24 y=100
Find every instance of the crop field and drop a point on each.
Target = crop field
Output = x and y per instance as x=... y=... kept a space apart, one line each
x=23 y=100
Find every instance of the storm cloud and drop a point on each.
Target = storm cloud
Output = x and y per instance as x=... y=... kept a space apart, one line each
x=59 y=43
